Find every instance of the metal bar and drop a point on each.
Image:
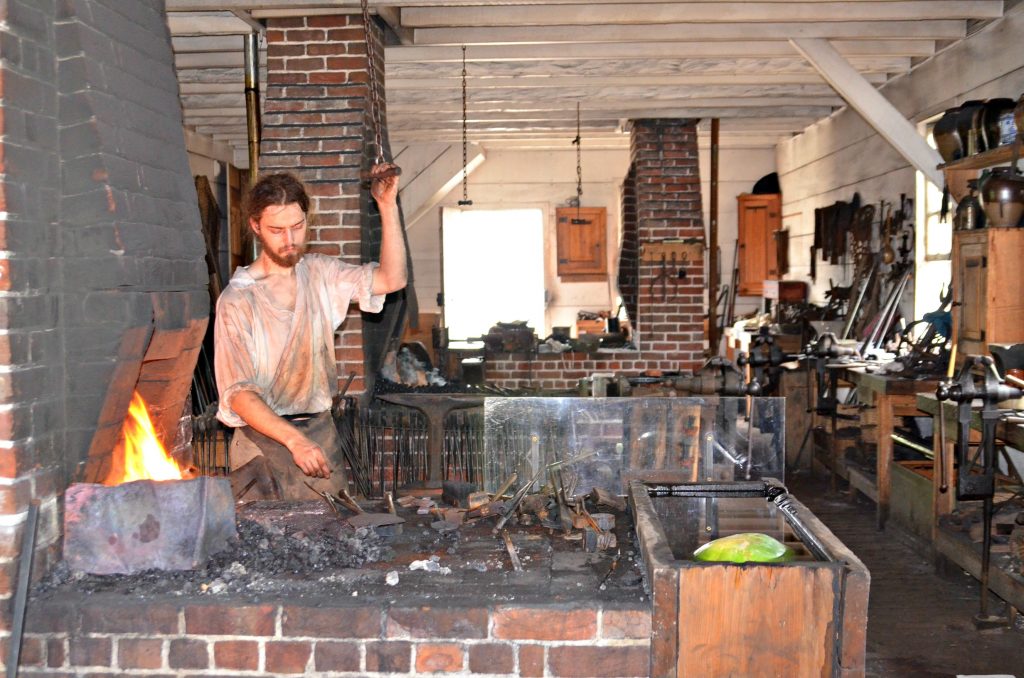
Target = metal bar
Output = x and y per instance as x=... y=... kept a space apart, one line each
x=912 y=445
x=28 y=544
x=713 y=242
x=851 y=313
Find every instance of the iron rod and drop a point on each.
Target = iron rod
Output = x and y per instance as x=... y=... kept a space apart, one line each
x=28 y=544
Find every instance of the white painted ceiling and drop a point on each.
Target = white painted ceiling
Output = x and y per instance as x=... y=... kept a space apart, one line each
x=529 y=62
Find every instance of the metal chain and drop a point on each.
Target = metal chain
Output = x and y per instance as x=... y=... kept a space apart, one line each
x=578 y=142
x=465 y=167
x=374 y=98
x=579 y=163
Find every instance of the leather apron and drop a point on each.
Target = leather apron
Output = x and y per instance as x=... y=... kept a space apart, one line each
x=248 y=445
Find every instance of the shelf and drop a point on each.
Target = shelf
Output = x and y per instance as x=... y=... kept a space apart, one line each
x=996 y=156
x=958 y=548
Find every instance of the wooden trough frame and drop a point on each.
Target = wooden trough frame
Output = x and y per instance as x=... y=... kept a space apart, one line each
x=800 y=618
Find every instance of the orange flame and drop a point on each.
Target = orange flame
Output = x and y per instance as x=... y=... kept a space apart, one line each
x=142 y=456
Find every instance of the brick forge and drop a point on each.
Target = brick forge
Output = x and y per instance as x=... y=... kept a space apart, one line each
x=661 y=200
x=68 y=638
x=104 y=285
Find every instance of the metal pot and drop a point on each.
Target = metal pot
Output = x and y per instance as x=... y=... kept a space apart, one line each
x=969 y=214
x=947 y=138
x=968 y=119
x=991 y=116
x=1002 y=195
x=1018 y=115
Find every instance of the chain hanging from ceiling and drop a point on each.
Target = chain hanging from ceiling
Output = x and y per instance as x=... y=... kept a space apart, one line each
x=465 y=202
x=578 y=142
x=374 y=99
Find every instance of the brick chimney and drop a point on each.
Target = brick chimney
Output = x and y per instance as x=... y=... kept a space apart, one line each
x=668 y=206
x=660 y=200
x=103 y=283
x=317 y=125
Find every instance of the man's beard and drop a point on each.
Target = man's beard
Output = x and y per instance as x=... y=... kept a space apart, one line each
x=287 y=260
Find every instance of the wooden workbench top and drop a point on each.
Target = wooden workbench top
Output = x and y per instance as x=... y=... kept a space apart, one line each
x=885 y=384
x=1011 y=434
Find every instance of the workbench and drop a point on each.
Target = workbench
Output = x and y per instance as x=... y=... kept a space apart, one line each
x=955 y=546
x=893 y=397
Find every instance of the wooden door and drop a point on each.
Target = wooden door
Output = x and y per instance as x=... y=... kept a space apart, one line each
x=759 y=218
x=972 y=284
x=581 y=241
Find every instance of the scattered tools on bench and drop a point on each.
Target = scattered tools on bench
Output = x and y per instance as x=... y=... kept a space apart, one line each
x=362 y=518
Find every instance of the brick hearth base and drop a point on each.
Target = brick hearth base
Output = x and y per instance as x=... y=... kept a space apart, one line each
x=106 y=635
x=563 y=371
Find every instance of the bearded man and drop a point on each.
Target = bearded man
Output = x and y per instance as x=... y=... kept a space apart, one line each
x=274 y=336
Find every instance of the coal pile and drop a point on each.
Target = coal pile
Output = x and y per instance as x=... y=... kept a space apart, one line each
x=262 y=560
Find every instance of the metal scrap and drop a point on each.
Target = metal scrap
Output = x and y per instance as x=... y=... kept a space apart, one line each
x=513 y=554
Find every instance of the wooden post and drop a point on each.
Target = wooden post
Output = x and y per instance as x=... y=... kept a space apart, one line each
x=713 y=244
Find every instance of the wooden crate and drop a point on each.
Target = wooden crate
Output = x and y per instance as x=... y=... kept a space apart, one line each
x=590 y=327
x=801 y=618
x=911 y=492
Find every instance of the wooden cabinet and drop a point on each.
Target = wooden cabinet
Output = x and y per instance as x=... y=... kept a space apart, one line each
x=760 y=217
x=581 y=241
x=988 y=276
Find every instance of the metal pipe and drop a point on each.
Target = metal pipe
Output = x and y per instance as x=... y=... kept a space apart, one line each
x=895 y=308
x=851 y=313
x=883 y=315
x=912 y=445
x=888 y=314
x=1015 y=380
x=713 y=244
x=28 y=544
x=252 y=101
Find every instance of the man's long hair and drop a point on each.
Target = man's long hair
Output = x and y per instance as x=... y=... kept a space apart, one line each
x=280 y=188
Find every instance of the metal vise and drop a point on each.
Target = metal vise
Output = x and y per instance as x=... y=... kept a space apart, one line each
x=718 y=376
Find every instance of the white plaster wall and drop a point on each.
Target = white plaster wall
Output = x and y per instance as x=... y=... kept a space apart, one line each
x=546 y=179
x=842 y=154
x=543 y=179
x=738 y=170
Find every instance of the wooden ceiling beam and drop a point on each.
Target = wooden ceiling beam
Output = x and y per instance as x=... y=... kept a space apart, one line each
x=207 y=23
x=300 y=5
x=774 y=108
x=876 y=110
x=420 y=54
x=698 y=12
x=681 y=32
x=559 y=81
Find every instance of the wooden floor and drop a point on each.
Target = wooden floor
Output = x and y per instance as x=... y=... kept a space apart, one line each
x=919 y=622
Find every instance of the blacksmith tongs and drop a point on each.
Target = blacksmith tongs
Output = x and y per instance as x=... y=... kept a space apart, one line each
x=663 y=276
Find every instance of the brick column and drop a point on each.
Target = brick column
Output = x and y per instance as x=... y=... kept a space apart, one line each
x=314 y=124
x=668 y=205
x=629 y=252
x=31 y=456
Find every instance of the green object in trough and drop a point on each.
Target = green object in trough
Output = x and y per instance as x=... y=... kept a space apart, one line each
x=746 y=547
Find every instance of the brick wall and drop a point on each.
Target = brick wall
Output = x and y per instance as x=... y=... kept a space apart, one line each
x=661 y=200
x=103 y=274
x=629 y=251
x=668 y=204
x=316 y=124
x=134 y=300
x=157 y=638
x=31 y=458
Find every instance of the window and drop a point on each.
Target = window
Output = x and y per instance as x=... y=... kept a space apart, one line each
x=493 y=269
x=933 y=242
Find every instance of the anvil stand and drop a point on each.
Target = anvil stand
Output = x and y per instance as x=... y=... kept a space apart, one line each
x=435 y=407
x=972 y=486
